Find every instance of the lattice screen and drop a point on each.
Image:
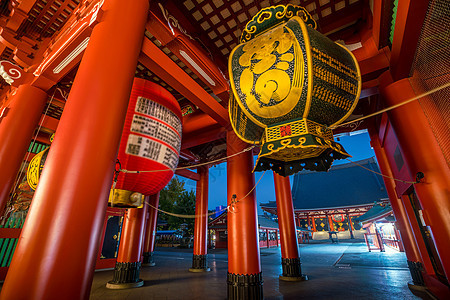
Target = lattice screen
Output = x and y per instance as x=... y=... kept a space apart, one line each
x=431 y=69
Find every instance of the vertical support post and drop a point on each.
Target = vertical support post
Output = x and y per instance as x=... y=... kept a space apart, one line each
x=149 y=243
x=422 y=153
x=350 y=225
x=200 y=257
x=313 y=224
x=66 y=217
x=412 y=250
x=128 y=265
x=290 y=259
x=330 y=223
x=17 y=125
x=267 y=238
x=244 y=277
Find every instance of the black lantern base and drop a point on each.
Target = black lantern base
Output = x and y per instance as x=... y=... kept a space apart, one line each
x=126 y=275
x=199 y=264
x=148 y=260
x=292 y=270
x=241 y=287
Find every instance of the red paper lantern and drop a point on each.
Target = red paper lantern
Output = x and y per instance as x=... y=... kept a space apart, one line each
x=338 y=218
x=151 y=141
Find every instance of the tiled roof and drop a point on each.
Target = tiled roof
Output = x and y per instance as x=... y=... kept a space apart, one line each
x=342 y=186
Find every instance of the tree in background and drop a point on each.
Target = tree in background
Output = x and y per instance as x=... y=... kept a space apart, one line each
x=175 y=199
x=169 y=195
x=185 y=205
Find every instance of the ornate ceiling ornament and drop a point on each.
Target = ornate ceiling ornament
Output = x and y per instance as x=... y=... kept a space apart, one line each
x=290 y=84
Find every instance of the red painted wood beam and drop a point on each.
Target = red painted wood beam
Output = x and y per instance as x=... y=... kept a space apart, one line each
x=373 y=67
x=166 y=28
x=162 y=66
x=376 y=21
x=341 y=18
x=197 y=121
x=203 y=136
x=66 y=49
x=188 y=174
x=408 y=25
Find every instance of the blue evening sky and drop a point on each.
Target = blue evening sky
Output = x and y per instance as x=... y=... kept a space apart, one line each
x=358 y=146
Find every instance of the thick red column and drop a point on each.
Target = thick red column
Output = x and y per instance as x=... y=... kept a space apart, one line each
x=17 y=125
x=244 y=268
x=128 y=265
x=199 y=259
x=407 y=235
x=57 y=249
x=422 y=154
x=412 y=252
x=149 y=243
x=290 y=259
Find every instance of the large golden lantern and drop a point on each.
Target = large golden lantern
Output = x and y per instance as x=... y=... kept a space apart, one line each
x=290 y=84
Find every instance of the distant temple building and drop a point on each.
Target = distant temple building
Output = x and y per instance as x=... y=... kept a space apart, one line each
x=326 y=201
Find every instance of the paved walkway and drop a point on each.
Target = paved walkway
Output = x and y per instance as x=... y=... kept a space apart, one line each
x=335 y=271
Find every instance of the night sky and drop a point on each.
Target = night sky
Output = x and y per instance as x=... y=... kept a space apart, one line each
x=358 y=146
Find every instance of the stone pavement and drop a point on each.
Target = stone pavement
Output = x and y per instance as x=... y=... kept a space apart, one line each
x=335 y=271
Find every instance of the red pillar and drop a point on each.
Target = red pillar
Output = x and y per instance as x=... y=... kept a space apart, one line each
x=411 y=250
x=59 y=242
x=199 y=259
x=330 y=223
x=290 y=259
x=17 y=126
x=350 y=225
x=422 y=154
x=244 y=268
x=128 y=265
x=149 y=243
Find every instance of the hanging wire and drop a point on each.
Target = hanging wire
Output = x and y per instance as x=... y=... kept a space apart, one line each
x=188 y=167
x=400 y=180
x=396 y=105
x=233 y=202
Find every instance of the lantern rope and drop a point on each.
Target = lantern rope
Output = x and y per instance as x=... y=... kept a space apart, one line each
x=395 y=106
x=188 y=167
x=231 y=208
x=400 y=180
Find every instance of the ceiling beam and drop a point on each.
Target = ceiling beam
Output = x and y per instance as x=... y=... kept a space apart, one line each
x=408 y=26
x=201 y=137
x=162 y=66
x=188 y=174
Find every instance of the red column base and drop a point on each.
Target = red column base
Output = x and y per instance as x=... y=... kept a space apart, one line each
x=247 y=286
x=148 y=260
x=292 y=270
x=126 y=275
x=199 y=264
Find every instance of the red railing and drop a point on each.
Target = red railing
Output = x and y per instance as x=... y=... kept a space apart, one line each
x=374 y=241
x=393 y=243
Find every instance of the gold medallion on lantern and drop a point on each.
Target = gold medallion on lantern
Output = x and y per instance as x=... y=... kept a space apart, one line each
x=289 y=85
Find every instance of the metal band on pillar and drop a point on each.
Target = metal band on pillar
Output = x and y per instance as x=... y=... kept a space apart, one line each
x=244 y=286
x=290 y=260
x=128 y=265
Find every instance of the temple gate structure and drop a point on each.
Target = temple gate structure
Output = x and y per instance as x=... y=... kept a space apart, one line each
x=68 y=68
